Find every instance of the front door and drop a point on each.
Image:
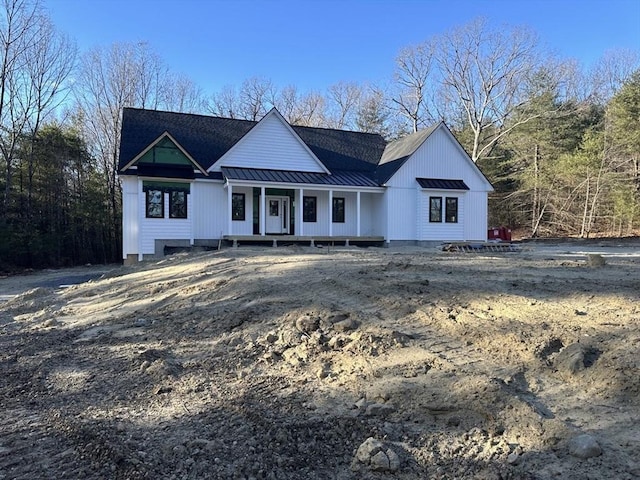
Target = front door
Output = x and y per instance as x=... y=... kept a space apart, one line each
x=277 y=215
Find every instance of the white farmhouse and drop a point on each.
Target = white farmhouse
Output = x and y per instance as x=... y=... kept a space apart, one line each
x=192 y=180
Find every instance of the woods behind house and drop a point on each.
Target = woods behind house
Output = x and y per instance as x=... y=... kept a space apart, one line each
x=559 y=142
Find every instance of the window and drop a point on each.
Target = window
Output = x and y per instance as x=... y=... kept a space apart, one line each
x=309 y=211
x=451 y=210
x=237 y=206
x=435 y=209
x=273 y=208
x=177 y=204
x=155 y=204
x=338 y=210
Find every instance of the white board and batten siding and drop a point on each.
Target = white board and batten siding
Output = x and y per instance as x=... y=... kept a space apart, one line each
x=270 y=145
x=130 y=216
x=441 y=231
x=166 y=228
x=209 y=216
x=440 y=156
x=241 y=227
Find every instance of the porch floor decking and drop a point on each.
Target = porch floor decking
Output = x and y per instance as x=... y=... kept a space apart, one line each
x=312 y=240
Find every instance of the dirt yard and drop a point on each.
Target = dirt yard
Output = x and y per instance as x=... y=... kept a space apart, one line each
x=301 y=363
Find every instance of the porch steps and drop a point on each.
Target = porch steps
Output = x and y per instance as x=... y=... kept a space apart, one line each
x=313 y=241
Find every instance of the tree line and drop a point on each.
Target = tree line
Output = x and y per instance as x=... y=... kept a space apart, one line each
x=560 y=143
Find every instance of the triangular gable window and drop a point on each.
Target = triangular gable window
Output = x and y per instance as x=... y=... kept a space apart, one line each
x=165 y=152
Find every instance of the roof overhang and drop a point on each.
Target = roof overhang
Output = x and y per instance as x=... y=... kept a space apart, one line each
x=442 y=184
x=346 y=181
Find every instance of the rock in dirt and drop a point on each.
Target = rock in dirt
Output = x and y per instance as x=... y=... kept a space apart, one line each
x=345 y=325
x=571 y=359
x=584 y=446
x=376 y=456
x=379 y=410
x=307 y=323
x=596 y=260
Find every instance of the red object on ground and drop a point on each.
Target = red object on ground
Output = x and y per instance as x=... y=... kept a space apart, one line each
x=499 y=233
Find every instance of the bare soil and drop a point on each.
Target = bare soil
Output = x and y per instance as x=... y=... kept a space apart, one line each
x=301 y=363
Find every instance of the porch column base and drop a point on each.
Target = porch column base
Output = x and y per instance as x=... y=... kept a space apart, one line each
x=346 y=242
x=275 y=242
x=235 y=243
x=312 y=244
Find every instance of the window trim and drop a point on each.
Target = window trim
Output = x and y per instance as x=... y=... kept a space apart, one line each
x=432 y=218
x=234 y=217
x=310 y=217
x=338 y=218
x=171 y=205
x=148 y=203
x=446 y=210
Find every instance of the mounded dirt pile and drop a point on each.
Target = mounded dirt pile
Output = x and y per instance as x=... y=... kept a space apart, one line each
x=300 y=363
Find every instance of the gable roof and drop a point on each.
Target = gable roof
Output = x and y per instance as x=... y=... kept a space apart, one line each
x=206 y=139
x=258 y=130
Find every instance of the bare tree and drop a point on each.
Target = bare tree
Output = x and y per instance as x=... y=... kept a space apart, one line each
x=485 y=76
x=414 y=71
x=256 y=98
x=181 y=94
x=110 y=79
x=343 y=99
x=35 y=61
x=610 y=72
x=225 y=103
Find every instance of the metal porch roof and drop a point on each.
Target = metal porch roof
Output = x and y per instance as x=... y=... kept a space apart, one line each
x=338 y=178
x=442 y=184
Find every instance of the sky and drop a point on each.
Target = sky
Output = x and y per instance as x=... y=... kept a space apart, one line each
x=313 y=44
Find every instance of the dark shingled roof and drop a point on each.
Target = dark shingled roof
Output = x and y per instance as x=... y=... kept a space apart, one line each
x=355 y=158
x=442 y=184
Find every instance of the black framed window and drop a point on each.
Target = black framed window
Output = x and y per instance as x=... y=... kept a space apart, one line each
x=237 y=206
x=451 y=210
x=338 y=209
x=309 y=209
x=177 y=204
x=435 y=209
x=155 y=204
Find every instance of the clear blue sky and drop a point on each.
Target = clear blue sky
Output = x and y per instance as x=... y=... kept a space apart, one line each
x=313 y=44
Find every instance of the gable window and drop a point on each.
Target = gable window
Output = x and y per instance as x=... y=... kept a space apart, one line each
x=435 y=209
x=155 y=204
x=237 y=207
x=338 y=209
x=309 y=210
x=177 y=204
x=451 y=210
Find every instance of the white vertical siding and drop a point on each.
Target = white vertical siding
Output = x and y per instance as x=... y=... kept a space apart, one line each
x=209 y=201
x=130 y=213
x=408 y=215
x=321 y=225
x=270 y=145
x=372 y=214
x=476 y=206
x=242 y=227
x=153 y=229
x=349 y=227
x=440 y=230
x=401 y=212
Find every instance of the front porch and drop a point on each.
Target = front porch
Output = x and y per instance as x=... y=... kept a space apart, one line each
x=311 y=240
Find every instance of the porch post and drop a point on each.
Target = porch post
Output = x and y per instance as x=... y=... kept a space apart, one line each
x=299 y=215
x=357 y=214
x=331 y=213
x=229 y=209
x=263 y=209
